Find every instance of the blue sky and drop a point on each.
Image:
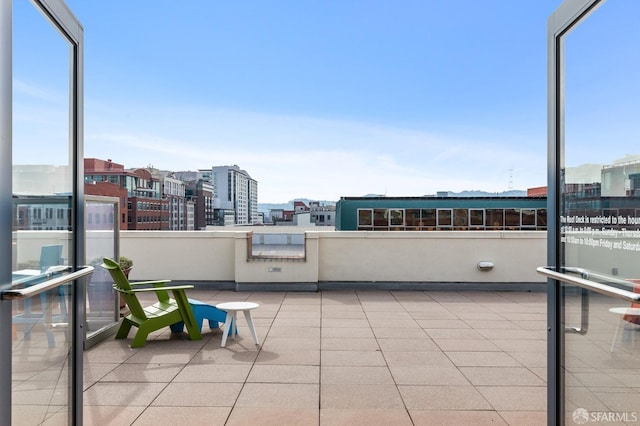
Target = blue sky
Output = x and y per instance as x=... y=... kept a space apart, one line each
x=320 y=99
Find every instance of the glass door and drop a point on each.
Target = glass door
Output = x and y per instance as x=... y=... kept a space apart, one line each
x=41 y=216
x=594 y=206
x=102 y=236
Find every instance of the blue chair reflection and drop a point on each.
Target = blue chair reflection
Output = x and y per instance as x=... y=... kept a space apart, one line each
x=50 y=265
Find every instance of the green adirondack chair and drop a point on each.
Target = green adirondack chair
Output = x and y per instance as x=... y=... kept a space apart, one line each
x=164 y=313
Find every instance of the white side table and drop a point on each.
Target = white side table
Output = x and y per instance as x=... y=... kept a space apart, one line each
x=232 y=309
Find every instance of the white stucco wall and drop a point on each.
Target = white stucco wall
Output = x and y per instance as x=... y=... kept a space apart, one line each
x=340 y=256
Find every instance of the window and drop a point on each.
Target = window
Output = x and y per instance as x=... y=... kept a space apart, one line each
x=495 y=219
x=542 y=219
x=412 y=219
x=476 y=218
x=396 y=217
x=428 y=219
x=512 y=219
x=444 y=218
x=380 y=218
x=528 y=218
x=461 y=219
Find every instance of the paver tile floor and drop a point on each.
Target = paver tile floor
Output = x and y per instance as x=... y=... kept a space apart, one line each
x=335 y=358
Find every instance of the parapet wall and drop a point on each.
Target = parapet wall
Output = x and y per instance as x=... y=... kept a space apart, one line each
x=339 y=257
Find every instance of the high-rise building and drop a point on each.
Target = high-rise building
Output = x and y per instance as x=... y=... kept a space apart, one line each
x=200 y=193
x=234 y=189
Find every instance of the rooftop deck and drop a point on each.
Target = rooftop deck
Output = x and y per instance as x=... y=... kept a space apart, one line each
x=336 y=357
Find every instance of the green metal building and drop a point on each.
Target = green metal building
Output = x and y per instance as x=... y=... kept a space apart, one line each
x=441 y=213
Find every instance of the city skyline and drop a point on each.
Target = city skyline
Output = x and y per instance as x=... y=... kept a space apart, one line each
x=314 y=101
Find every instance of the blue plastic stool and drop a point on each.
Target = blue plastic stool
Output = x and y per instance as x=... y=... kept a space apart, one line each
x=201 y=311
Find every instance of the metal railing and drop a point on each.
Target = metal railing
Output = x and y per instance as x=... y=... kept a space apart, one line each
x=34 y=290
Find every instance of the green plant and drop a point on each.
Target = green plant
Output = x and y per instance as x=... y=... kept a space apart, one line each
x=125 y=263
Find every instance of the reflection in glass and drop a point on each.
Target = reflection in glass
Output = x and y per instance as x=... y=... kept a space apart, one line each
x=444 y=219
x=40 y=350
x=495 y=218
x=599 y=224
x=42 y=186
x=380 y=218
x=101 y=308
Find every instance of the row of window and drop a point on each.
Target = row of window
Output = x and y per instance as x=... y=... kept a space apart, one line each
x=451 y=219
x=142 y=205
x=146 y=219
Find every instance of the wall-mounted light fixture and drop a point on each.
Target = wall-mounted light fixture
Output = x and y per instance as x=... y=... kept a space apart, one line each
x=485 y=265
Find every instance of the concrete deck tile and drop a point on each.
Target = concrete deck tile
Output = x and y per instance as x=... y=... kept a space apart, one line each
x=425 y=375
x=502 y=324
x=279 y=395
x=291 y=343
x=451 y=417
x=438 y=315
x=431 y=359
x=343 y=315
x=480 y=316
x=442 y=323
x=295 y=322
x=298 y=357
x=93 y=372
x=341 y=322
x=198 y=395
x=491 y=333
x=109 y=415
x=214 y=373
x=353 y=358
x=530 y=359
x=364 y=417
x=355 y=375
x=297 y=307
x=514 y=345
x=393 y=323
x=501 y=376
x=453 y=333
x=231 y=354
x=297 y=314
x=339 y=358
x=123 y=393
x=143 y=373
x=150 y=354
x=525 y=418
x=412 y=345
x=284 y=374
x=204 y=416
x=482 y=359
x=273 y=416
x=359 y=332
x=354 y=396
x=466 y=345
x=353 y=344
x=399 y=333
x=515 y=398
x=443 y=398
x=385 y=316
x=286 y=331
